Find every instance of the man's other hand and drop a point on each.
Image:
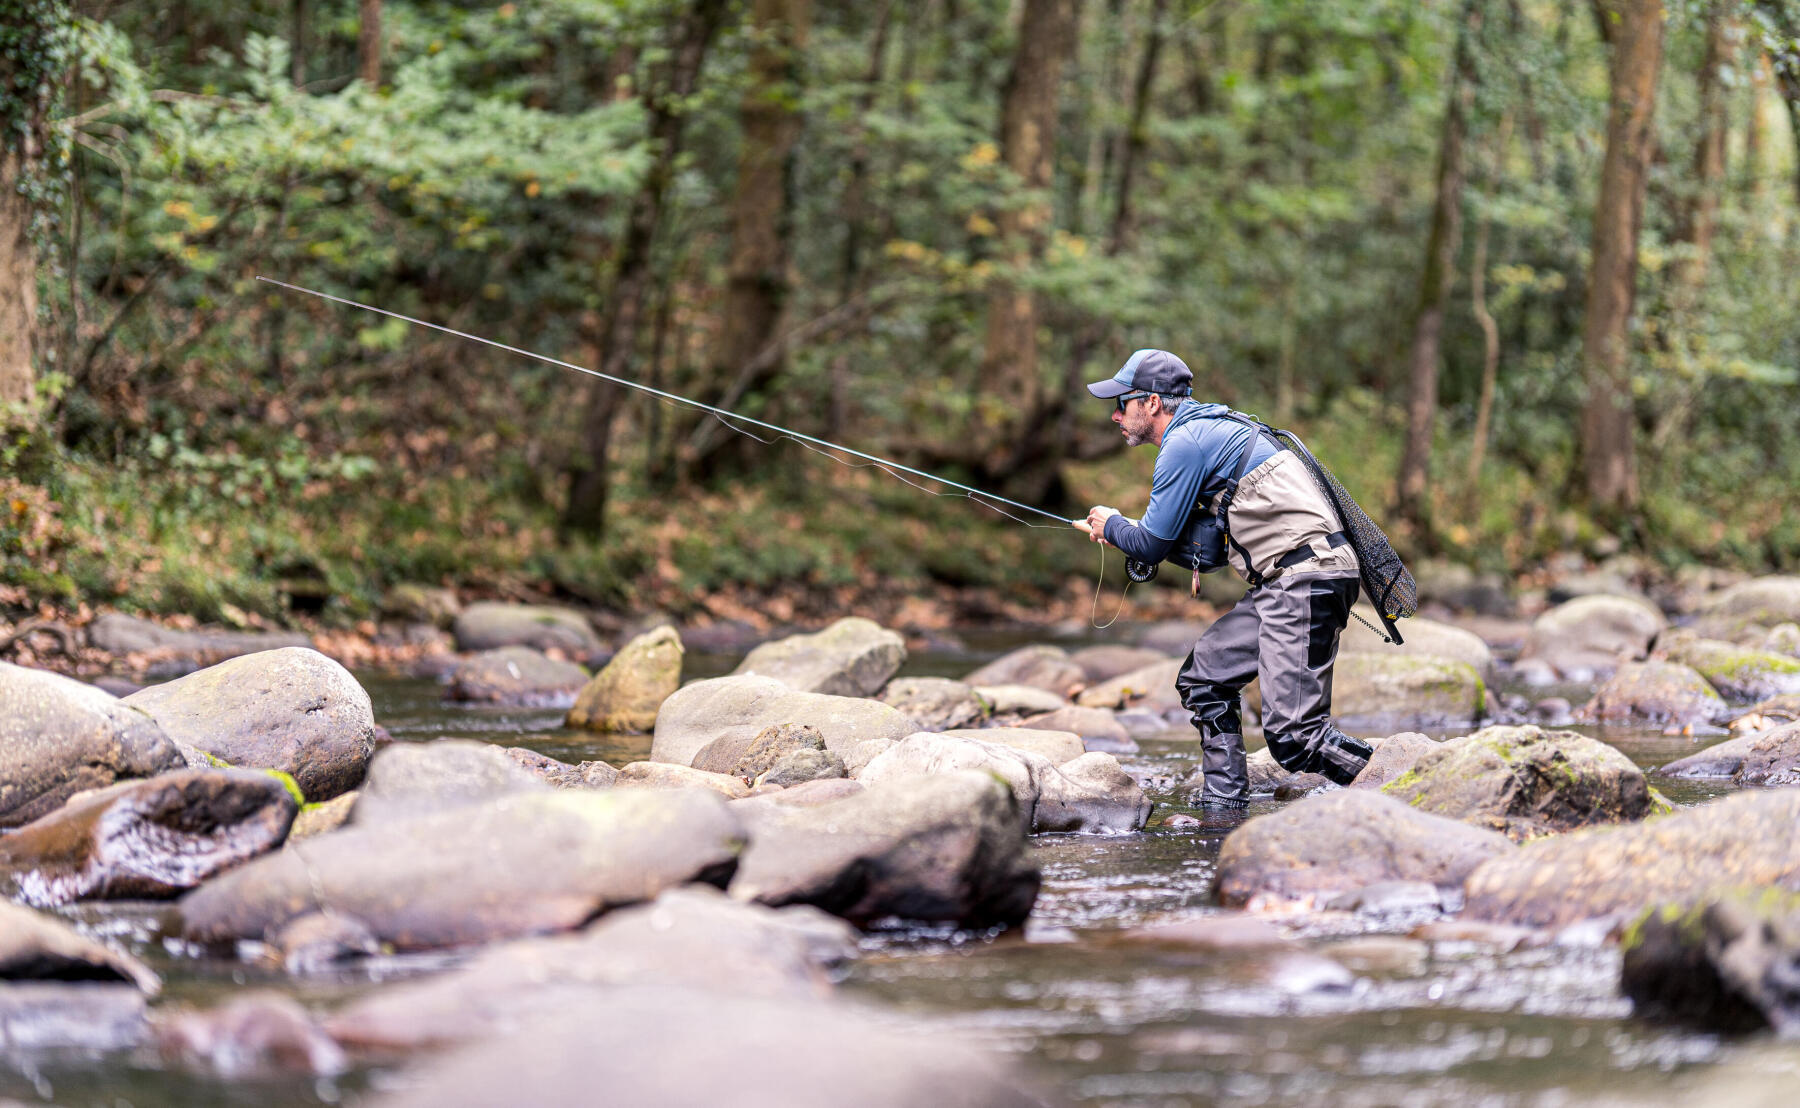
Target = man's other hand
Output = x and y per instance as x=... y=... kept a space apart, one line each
x=1096 y=520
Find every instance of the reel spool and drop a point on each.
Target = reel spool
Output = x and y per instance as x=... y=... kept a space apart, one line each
x=1140 y=572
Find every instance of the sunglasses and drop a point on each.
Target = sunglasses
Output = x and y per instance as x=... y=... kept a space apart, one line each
x=1119 y=405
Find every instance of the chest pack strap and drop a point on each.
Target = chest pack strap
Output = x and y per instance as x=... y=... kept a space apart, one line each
x=1223 y=503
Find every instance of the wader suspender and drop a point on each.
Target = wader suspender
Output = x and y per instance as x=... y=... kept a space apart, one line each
x=1231 y=486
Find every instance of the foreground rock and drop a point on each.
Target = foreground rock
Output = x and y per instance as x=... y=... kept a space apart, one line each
x=1393 y=756
x=939 y=848
x=1738 y=672
x=1090 y=793
x=1747 y=612
x=1399 y=692
x=1042 y=667
x=517 y=677
x=1525 y=781
x=293 y=710
x=417 y=779
x=1344 y=840
x=703 y=1047
x=524 y=864
x=690 y=937
x=1653 y=692
x=491 y=626
x=852 y=657
x=59 y=736
x=625 y=695
x=1588 y=637
x=147 y=839
x=1762 y=758
x=1727 y=965
x=938 y=703
x=737 y=709
x=168 y=650
x=1678 y=860
x=37 y=947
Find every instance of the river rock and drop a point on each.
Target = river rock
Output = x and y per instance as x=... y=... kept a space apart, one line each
x=1588 y=637
x=1525 y=781
x=1012 y=703
x=1048 y=799
x=147 y=839
x=665 y=775
x=1762 y=758
x=1653 y=692
x=1460 y=588
x=1266 y=777
x=515 y=676
x=807 y=794
x=1174 y=638
x=798 y=767
x=527 y=863
x=416 y=779
x=1233 y=932
x=294 y=710
x=582 y=775
x=1727 y=965
x=752 y=760
x=414 y=603
x=706 y=1047
x=739 y=708
x=321 y=941
x=1103 y=663
x=59 y=736
x=1347 y=839
x=1782 y=639
x=260 y=1034
x=1748 y=611
x=172 y=651
x=327 y=815
x=541 y=627
x=44 y=1016
x=938 y=703
x=626 y=694
x=1092 y=725
x=1396 y=692
x=934 y=848
x=687 y=937
x=1055 y=746
x=852 y=657
x=1682 y=859
x=1777 y=711
x=1090 y=793
x=1393 y=756
x=1152 y=687
x=1423 y=637
x=38 y=947
x=1042 y=667
x=1738 y=672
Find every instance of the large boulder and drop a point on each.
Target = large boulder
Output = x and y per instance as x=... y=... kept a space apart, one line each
x=697 y=1047
x=1105 y=662
x=738 y=709
x=1738 y=672
x=1042 y=667
x=938 y=703
x=1653 y=692
x=417 y=779
x=1760 y=758
x=168 y=650
x=1422 y=637
x=1151 y=687
x=626 y=694
x=1525 y=781
x=1681 y=859
x=37 y=947
x=1401 y=692
x=936 y=848
x=515 y=676
x=59 y=736
x=1727 y=965
x=1588 y=637
x=1746 y=612
x=1048 y=799
x=852 y=657
x=542 y=627
x=524 y=864
x=1347 y=839
x=147 y=839
x=292 y=709
x=687 y=937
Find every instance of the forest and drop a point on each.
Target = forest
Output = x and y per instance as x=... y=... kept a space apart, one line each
x=1523 y=273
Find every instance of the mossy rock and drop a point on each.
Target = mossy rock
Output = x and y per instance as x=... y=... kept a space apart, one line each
x=1724 y=964
x=1746 y=611
x=626 y=695
x=1737 y=672
x=1654 y=692
x=1394 y=692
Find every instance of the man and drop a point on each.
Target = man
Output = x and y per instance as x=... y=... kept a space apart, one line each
x=1219 y=475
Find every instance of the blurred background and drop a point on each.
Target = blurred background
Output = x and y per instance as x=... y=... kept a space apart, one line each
x=1524 y=273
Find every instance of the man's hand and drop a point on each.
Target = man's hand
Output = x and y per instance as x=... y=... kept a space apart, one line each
x=1096 y=522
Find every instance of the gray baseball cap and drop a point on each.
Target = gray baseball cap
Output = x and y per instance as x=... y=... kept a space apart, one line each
x=1156 y=371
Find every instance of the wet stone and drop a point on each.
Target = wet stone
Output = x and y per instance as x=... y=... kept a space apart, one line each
x=627 y=693
x=1728 y=965
x=852 y=657
x=262 y=1033
x=39 y=947
x=516 y=676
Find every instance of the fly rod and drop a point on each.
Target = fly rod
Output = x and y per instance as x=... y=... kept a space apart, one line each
x=721 y=413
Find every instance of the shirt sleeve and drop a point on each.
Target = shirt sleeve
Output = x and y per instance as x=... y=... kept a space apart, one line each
x=1137 y=543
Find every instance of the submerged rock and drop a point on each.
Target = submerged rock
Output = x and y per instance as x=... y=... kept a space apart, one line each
x=1098 y=797
x=293 y=709
x=1525 y=781
x=529 y=863
x=1393 y=691
x=938 y=703
x=852 y=657
x=59 y=736
x=626 y=694
x=1738 y=672
x=541 y=627
x=937 y=848
x=515 y=676
x=1653 y=692
x=1588 y=637
x=1042 y=667
x=1762 y=758
x=147 y=839
x=1347 y=839
x=1727 y=965
x=737 y=709
x=1682 y=859
x=416 y=779
x=38 y=947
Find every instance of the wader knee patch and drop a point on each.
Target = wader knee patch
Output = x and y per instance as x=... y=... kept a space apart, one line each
x=1331 y=600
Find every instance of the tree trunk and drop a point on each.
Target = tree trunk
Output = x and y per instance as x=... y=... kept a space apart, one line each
x=368 y=42
x=615 y=339
x=18 y=281
x=762 y=208
x=1609 y=457
x=1009 y=362
x=297 y=45
x=1136 y=136
x=1490 y=328
x=32 y=56
x=1756 y=132
x=1438 y=278
x=1724 y=43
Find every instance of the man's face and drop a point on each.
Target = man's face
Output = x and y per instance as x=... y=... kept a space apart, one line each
x=1137 y=421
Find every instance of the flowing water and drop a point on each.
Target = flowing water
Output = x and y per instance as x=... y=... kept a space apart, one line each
x=1091 y=1017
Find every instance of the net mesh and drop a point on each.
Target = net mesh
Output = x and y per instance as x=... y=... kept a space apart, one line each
x=1385 y=579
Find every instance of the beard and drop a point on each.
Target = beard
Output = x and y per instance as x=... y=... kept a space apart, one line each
x=1137 y=430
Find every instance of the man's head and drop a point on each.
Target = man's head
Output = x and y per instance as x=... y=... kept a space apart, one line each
x=1145 y=393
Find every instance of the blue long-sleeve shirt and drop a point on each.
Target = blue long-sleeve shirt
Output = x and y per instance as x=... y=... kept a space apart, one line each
x=1199 y=453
